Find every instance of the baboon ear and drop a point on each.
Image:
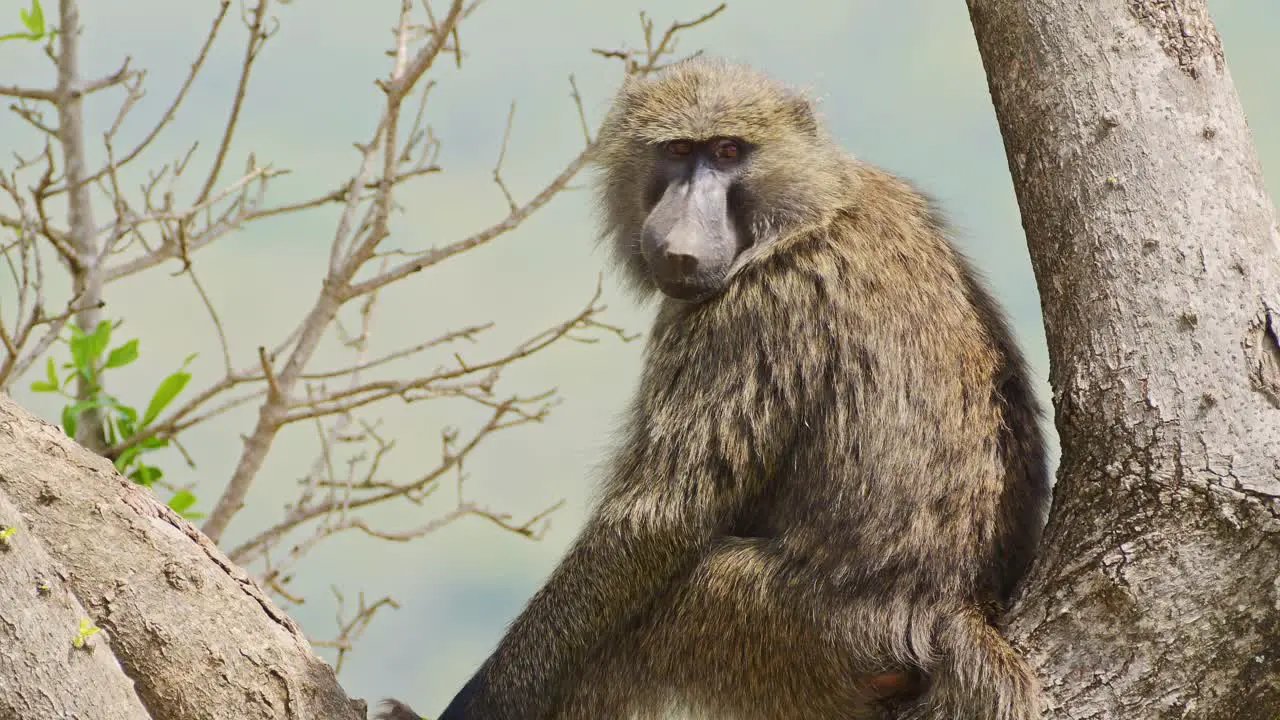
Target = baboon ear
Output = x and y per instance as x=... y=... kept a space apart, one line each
x=801 y=112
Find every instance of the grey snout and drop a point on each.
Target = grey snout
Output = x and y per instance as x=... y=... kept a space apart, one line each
x=688 y=240
x=678 y=253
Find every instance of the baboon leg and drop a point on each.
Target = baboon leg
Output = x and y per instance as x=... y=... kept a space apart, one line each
x=978 y=675
x=741 y=637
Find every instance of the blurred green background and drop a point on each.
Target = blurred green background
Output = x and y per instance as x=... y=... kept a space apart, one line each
x=901 y=85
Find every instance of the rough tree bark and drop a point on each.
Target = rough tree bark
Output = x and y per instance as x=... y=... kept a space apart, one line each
x=1157 y=255
x=42 y=674
x=194 y=636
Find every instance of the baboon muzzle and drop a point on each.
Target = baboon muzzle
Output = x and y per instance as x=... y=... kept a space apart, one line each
x=688 y=240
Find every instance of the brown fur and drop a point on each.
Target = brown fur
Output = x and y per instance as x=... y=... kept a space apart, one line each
x=832 y=469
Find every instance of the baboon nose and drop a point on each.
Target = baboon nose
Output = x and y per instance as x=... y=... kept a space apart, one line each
x=680 y=263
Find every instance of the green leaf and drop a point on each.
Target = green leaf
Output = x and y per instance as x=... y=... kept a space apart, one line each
x=70 y=420
x=87 y=630
x=182 y=501
x=127 y=457
x=51 y=372
x=9 y=532
x=123 y=355
x=79 y=344
x=125 y=425
x=42 y=387
x=34 y=18
x=146 y=474
x=168 y=390
x=130 y=454
x=99 y=340
x=127 y=412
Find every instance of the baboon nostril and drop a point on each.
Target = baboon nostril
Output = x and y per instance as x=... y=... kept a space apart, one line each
x=681 y=264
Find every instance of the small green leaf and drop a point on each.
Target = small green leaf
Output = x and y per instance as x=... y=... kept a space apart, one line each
x=153 y=443
x=127 y=457
x=146 y=475
x=51 y=372
x=86 y=631
x=182 y=501
x=70 y=420
x=123 y=355
x=43 y=387
x=34 y=18
x=80 y=346
x=125 y=424
x=9 y=532
x=99 y=340
x=168 y=390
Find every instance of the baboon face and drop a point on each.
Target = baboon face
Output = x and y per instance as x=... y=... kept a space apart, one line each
x=694 y=229
x=706 y=166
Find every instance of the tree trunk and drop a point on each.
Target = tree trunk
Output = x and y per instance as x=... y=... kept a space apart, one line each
x=1157 y=254
x=193 y=632
x=86 y=268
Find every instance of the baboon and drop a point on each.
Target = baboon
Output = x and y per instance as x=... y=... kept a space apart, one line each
x=832 y=477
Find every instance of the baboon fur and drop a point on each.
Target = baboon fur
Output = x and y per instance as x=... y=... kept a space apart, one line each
x=833 y=468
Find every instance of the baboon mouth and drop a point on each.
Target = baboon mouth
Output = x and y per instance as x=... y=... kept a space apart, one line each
x=692 y=290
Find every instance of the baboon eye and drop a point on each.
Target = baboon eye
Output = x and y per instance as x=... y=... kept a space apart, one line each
x=680 y=148
x=727 y=150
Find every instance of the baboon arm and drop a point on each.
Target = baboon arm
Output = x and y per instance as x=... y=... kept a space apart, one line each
x=611 y=572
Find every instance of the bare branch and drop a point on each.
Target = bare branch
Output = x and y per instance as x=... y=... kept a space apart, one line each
x=502 y=155
x=511 y=222
x=582 y=113
x=57 y=94
x=349 y=631
x=360 y=395
x=247 y=551
x=118 y=77
x=28 y=93
x=467 y=333
x=257 y=38
x=408 y=76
